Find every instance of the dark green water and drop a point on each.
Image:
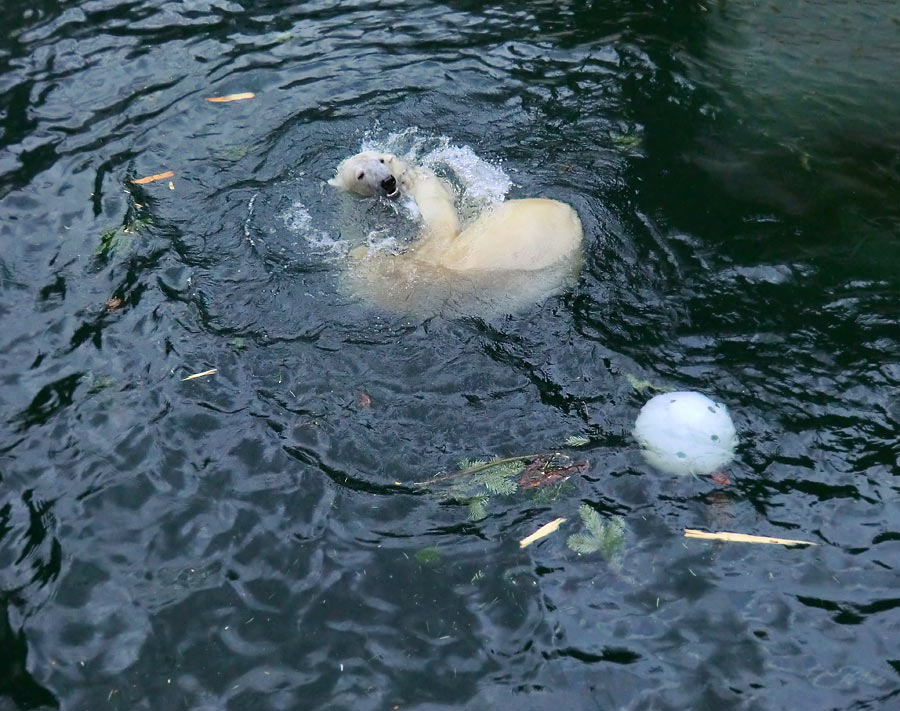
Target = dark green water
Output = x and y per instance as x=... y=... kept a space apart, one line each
x=240 y=541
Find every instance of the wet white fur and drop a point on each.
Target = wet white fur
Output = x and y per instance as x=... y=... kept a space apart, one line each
x=517 y=236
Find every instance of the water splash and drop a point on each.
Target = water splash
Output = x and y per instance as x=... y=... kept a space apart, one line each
x=479 y=183
x=484 y=181
x=299 y=221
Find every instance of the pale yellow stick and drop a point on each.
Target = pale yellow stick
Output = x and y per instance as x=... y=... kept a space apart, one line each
x=743 y=538
x=199 y=375
x=544 y=530
x=231 y=97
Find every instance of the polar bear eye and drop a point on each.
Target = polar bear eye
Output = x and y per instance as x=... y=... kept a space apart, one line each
x=381 y=160
x=362 y=174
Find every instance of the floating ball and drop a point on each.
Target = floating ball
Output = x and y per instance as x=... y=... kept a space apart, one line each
x=685 y=433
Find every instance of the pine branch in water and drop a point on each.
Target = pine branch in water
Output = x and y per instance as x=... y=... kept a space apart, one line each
x=478 y=480
x=602 y=536
x=583 y=544
x=592 y=521
x=478 y=507
x=501 y=483
x=475 y=466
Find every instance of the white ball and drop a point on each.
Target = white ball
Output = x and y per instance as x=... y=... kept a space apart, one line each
x=685 y=433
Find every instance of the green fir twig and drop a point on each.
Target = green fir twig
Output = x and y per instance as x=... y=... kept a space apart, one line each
x=481 y=465
x=601 y=536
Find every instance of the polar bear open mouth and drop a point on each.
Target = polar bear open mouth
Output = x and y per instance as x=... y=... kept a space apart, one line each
x=390 y=187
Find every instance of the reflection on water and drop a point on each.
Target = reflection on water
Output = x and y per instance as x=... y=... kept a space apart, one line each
x=808 y=114
x=252 y=538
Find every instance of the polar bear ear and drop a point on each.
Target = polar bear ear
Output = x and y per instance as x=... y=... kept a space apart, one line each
x=334 y=181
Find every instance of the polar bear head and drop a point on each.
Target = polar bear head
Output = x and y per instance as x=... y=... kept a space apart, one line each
x=368 y=173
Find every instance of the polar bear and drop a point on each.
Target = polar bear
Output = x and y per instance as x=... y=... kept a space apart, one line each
x=518 y=252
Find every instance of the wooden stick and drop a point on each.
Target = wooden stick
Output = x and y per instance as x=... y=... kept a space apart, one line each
x=231 y=97
x=152 y=178
x=743 y=538
x=544 y=530
x=200 y=375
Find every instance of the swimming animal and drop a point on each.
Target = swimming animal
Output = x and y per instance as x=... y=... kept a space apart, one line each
x=514 y=253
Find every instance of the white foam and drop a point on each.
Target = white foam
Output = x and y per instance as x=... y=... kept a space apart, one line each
x=298 y=220
x=249 y=219
x=382 y=241
x=481 y=182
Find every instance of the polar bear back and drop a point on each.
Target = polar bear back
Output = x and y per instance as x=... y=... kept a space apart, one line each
x=517 y=235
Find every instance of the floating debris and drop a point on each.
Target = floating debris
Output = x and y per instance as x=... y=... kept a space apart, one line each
x=110 y=241
x=685 y=433
x=475 y=482
x=743 y=538
x=642 y=385
x=477 y=506
x=542 y=532
x=721 y=478
x=428 y=556
x=549 y=470
x=231 y=97
x=200 y=375
x=626 y=141
x=136 y=224
x=600 y=536
x=153 y=178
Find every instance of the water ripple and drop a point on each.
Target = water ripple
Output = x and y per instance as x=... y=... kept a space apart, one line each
x=254 y=538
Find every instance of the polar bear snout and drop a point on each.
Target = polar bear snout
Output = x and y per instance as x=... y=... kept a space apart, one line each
x=389 y=185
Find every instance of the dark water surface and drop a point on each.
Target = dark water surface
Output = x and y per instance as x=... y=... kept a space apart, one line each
x=252 y=539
